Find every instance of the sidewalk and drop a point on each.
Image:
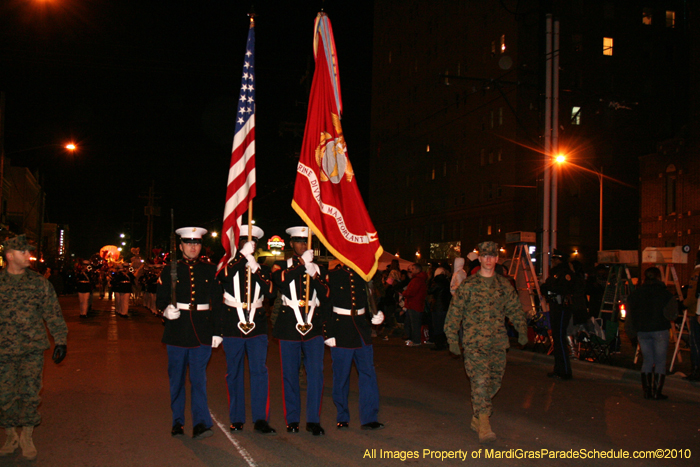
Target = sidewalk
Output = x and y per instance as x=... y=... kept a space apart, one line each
x=622 y=368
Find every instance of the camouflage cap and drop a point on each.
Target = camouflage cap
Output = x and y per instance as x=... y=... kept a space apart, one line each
x=18 y=243
x=488 y=249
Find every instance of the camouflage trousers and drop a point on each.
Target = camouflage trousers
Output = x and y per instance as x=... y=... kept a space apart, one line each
x=485 y=368
x=20 y=384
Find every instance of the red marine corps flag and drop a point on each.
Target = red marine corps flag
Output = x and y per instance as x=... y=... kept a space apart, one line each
x=240 y=189
x=326 y=194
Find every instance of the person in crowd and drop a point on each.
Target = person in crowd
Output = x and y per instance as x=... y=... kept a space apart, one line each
x=458 y=275
x=650 y=310
x=439 y=289
x=691 y=302
x=414 y=302
x=559 y=289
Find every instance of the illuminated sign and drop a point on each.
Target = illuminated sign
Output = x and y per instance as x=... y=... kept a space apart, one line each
x=275 y=242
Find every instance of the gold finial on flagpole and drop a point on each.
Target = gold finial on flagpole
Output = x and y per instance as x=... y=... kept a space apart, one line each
x=252 y=14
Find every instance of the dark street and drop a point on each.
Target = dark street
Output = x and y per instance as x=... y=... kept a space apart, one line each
x=107 y=404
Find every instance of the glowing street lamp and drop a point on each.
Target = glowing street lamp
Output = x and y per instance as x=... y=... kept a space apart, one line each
x=71 y=147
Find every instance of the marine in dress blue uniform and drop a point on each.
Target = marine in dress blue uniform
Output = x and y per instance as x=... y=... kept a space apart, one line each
x=192 y=327
x=299 y=331
x=244 y=325
x=349 y=335
x=84 y=286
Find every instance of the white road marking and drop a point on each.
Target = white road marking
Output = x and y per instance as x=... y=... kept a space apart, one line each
x=241 y=450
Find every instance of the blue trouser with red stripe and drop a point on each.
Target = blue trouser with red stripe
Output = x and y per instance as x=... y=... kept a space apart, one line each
x=290 y=355
x=236 y=349
x=179 y=358
x=369 y=390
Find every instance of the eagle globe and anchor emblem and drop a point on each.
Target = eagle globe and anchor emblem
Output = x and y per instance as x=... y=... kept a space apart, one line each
x=332 y=155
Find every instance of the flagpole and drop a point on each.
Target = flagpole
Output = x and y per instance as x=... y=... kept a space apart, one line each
x=308 y=278
x=250 y=238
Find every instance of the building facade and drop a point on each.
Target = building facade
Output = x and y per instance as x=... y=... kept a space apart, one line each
x=458 y=110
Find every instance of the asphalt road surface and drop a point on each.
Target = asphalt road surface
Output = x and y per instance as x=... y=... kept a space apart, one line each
x=107 y=404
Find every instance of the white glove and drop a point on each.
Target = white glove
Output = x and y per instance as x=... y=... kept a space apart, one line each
x=171 y=312
x=308 y=256
x=312 y=269
x=216 y=341
x=252 y=264
x=248 y=249
x=378 y=318
x=330 y=342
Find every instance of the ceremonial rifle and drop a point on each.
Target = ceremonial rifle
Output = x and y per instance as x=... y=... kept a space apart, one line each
x=173 y=261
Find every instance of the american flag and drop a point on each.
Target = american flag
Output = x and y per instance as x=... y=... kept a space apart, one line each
x=241 y=174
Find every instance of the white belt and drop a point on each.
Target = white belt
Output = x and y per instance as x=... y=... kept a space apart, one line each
x=346 y=312
x=299 y=303
x=233 y=303
x=186 y=306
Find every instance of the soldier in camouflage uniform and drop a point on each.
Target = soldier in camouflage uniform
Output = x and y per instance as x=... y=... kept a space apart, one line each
x=27 y=300
x=480 y=305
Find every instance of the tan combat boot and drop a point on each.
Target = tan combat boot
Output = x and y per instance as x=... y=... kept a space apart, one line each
x=475 y=423
x=26 y=443
x=11 y=442
x=484 y=430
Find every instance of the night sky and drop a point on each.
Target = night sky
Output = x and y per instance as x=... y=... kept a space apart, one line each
x=148 y=92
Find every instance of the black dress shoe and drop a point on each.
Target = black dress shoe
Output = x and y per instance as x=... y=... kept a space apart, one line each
x=262 y=427
x=235 y=427
x=293 y=428
x=178 y=430
x=343 y=425
x=372 y=426
x=200 y=431
x=315 y=429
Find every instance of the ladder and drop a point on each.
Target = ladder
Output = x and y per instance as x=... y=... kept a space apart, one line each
x=523 y=273
x=617 y=288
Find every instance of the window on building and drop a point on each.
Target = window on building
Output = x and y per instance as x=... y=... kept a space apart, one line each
x=574 y=226
x=577 y=42
x=670 y=19
x=670 y=190
x=493 y=48
x=608 y=46
x=432 y=177
x=609 y=10
x=500 y=154
x=489 y=226
x=647 y=13
x=503 y=43
x=575 y=115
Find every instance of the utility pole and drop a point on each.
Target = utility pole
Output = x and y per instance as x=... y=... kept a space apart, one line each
x=150 y=211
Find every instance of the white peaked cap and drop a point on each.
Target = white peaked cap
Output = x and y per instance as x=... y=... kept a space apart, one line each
x=302 y=231
x=257 y=232
x=192 y=233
